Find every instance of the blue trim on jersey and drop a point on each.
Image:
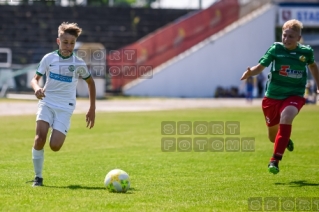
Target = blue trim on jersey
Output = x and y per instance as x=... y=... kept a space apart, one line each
x=60 y=77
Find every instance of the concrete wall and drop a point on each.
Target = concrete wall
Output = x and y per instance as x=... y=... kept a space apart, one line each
x=218 y=61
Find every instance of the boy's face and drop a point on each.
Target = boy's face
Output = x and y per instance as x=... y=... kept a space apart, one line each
x=66 y=44
x=290 y=38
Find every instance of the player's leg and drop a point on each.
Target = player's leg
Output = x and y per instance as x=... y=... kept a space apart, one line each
x=287 y=117
x=42 y=128
x=56 y=140
x=271 y=110
x=272 y=132
x=282 y=138
x=289 y=110
x=273 y=165
x=44 y=117
x=38 y=152
x=60 y=127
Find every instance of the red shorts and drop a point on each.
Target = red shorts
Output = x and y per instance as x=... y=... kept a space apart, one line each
x=272 y=108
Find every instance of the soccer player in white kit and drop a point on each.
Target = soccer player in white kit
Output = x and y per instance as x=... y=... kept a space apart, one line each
x=57 y=99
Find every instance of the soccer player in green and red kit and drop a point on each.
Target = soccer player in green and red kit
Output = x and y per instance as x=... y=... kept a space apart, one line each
x=285 y=86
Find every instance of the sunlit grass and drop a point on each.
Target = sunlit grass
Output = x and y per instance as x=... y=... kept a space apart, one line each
x=160 y=181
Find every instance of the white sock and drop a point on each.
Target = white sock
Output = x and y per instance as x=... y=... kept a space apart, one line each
x=38 y=158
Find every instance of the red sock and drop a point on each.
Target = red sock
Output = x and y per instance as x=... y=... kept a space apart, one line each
x=281 y=142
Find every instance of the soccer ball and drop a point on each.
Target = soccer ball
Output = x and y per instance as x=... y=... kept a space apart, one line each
x=117 y=180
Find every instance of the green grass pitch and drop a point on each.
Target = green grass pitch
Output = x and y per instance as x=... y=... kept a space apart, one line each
x=160 y=181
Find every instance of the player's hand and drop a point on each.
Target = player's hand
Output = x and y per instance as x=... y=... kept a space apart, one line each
x=246 y=74
x=39 y=93
x=90 y=118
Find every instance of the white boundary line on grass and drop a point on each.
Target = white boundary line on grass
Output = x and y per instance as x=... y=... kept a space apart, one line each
x=16 y=107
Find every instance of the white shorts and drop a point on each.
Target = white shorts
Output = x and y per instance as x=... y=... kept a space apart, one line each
x=58 y=118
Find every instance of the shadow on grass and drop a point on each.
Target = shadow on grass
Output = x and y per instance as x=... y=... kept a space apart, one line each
x=75 y=187
x=299 y=183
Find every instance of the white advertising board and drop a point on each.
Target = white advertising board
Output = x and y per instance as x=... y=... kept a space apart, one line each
x=309 y=16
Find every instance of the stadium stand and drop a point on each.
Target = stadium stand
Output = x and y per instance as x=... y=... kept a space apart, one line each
x=30 y=32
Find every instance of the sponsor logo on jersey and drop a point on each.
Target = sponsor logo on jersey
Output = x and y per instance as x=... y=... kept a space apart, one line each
x=292 y=52
x=302 y=58
x=60 y=77
x=287 y=72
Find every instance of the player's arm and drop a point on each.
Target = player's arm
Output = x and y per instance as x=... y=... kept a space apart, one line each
x=264 y=62
x=38 y=91
x=313 y=68
x=42 y=68
x=255 y=70
x=90 y=116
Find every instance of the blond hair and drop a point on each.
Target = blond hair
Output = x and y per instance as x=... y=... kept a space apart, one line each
x=293 y=24
x=70 y=28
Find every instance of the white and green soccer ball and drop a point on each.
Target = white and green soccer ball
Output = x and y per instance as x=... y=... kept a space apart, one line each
x=117 y=180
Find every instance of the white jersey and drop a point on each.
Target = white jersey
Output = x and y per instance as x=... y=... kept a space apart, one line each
x=62 y=74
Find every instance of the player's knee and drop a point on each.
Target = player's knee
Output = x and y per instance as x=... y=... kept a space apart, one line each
x=271 y=139
x=286 y=119
x=39 y=142
x=272 y=136
x=56 y=140
x=288 y=115
x=40 y=138
x=55 y=147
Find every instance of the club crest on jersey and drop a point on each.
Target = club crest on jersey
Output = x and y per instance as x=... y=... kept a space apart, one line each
x=302 y=58
x=71 y=68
